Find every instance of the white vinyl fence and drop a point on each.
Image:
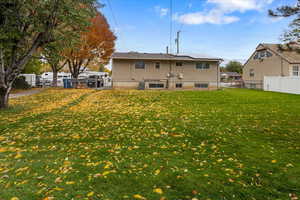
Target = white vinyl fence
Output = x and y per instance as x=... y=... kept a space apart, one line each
x=282 y=84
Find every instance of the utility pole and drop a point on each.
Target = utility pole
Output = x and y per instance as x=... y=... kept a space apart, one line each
x=177 y=41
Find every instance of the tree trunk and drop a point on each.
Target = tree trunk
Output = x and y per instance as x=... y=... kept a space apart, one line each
x=75 y=82
x=4 y=94
x=54 y=82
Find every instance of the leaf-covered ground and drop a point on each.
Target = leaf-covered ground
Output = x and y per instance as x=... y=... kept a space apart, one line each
x=165 y=145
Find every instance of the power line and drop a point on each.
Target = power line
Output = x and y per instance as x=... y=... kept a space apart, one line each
x=182 y=24
x=117 y=25
x=113 y=14
x=171 y=25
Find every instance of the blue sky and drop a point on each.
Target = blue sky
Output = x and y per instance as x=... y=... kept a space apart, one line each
x=230 y=29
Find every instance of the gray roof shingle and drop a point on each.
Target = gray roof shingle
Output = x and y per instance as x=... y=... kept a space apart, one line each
x=158 y=56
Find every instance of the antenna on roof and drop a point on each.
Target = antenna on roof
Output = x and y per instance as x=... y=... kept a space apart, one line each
x=167 y=49
x=177 y=41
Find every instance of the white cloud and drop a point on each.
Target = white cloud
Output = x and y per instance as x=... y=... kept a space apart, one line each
x=240 y=5
x=161 y=11
x=212 y=17
x=222 y=11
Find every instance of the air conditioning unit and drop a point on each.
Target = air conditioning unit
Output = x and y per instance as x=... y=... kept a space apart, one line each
x=170 y=75
x=180 y=75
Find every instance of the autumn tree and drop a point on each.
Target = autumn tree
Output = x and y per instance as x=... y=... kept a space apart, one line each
x=27 y=25
x=96 y=45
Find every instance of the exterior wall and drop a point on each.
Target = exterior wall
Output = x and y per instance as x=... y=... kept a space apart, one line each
x=269 y=66
x=125 y=75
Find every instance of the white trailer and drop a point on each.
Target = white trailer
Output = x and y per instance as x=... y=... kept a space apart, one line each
x=30 y=79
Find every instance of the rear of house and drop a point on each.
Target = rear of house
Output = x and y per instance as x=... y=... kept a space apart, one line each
x=270 y=60
x=164 y=71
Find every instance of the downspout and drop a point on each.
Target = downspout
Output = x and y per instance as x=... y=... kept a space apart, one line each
x=282 y=67
x=170 y=73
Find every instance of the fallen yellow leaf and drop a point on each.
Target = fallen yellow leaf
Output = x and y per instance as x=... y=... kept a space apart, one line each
x=14 y=198
x=274 y=161
x=90 y=194
x=158 y=191
x=19 y=155
x=157 y=172
x=48 y=198
x=106 y=173
x=70 y=182
x=137 y=196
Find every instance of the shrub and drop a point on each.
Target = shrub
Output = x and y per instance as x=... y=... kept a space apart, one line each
x=20 y=83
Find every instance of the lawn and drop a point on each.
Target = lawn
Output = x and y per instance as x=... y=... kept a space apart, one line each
x=155 y=145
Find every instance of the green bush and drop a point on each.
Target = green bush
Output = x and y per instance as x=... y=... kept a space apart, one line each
x=20 y=83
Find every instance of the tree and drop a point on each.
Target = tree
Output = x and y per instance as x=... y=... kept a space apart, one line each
x=293 y=34
x=27 y=25
x=34 y=66
x=96 y=45
x=53 y=55
x=102 y=68
x=234 y=66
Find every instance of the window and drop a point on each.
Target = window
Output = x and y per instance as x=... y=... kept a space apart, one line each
x=296 y=70
x=269 y=54
x=251 y=72
x=202 y=66
x=179 y=64
x=252 y=86
x=156 y=85
x=140 y=65
x=262 y=54
x=178 y=85
x=157 y=65
x=201 y=85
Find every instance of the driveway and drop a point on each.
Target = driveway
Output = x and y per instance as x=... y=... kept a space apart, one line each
x=25 y=93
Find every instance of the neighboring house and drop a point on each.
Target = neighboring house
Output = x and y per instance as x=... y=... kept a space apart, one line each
x=230 y=76
x=164 y=71
x=270 y=60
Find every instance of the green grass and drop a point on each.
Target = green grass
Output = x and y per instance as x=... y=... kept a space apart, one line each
x=230 y=144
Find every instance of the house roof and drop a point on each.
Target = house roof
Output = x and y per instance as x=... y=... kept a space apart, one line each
x=289 y=54
x=159 y=56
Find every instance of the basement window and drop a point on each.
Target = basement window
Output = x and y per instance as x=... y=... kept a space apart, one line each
x=178 y=85
x=252 y=86
x=156 y=85
x=201 y=85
